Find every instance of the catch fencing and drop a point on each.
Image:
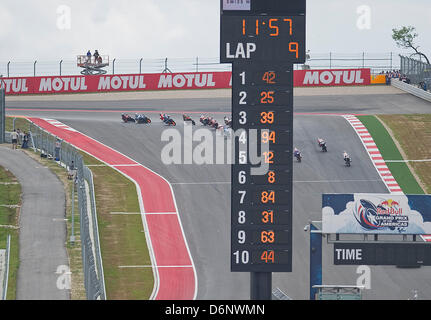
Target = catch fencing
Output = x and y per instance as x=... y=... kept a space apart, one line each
x=2 y=112
x=377 y=62
x=417 y=71
x=6 y=269
x=51 y=147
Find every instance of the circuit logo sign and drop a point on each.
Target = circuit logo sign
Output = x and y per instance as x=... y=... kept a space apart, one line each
x=387 y=214
x=363 y=213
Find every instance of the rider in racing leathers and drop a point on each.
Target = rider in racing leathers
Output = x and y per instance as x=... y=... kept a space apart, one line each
x=321 y=142
x=346 y=156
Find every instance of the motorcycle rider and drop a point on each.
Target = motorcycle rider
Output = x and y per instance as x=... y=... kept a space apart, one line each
x=125 y=117
x=228 y=122
x=346 y=157
x=203 y=119
x=297 y=153
x=214 y=123
x=321 y=142
x=188 y=118
x=164 y=117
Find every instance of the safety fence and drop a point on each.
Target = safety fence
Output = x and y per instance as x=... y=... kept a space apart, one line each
x=6 y=269
x=417 y=71
x=377 y=62
x=2 y=112
x=50 y=147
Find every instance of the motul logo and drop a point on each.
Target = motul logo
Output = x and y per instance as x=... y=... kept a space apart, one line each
x=186 y=81
x=335 y=77
x=16 y=85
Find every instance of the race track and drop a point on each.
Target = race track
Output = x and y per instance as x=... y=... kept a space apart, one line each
x=203 y=192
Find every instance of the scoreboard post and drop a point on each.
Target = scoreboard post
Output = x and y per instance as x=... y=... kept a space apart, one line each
x=262 y=39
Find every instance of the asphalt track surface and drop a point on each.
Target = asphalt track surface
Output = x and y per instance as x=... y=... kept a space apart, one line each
x=42 y=252
x=203 y=192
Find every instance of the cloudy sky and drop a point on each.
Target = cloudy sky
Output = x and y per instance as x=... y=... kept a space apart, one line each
x=61 y=29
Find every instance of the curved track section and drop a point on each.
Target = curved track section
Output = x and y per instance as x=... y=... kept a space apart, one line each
x=175 y=273
x=203 y=191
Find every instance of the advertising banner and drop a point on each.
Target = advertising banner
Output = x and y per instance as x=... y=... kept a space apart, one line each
x=111 y=83
x=332 y=77
x=364 y=213
x=171 y=81
x=378 y=79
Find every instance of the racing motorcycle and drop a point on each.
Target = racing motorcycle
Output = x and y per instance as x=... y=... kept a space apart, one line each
x=322 y=144
x=140 y=118
x=167 y=120
x=214 y=124
x=297 y=155
x=187 y=118
x=205 y=120
x=228 y=122
x=126 y=118
x=347 y=161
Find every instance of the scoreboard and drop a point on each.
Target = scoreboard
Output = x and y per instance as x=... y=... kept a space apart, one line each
x=262 y=39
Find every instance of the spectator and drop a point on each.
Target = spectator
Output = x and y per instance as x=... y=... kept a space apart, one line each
x=71 y=172
x=19 y=135
x=96 y=56
x=423 y=85
x=25 y=140
x=14 y=137
x=89 y=56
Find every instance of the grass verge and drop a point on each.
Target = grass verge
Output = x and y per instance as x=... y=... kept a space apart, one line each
x=413 y=133
x=9 y=222
x=20 y=123
x=389 y=150
x=122 y=237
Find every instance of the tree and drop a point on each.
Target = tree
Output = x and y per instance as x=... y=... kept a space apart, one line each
x=405 y=38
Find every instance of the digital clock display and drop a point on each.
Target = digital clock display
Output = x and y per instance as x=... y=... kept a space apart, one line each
x=265 y=38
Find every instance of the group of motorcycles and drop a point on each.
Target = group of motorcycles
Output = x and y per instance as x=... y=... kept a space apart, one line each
x=211 y=122
x=205 y=120
x=140 y=118
x=322 y=144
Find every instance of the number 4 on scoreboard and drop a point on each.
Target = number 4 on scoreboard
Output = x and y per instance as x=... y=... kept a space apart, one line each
x=269 y=77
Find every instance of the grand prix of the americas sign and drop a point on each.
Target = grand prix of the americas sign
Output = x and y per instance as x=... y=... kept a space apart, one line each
x=176 y=81
x=376 y=214
x=110 y=83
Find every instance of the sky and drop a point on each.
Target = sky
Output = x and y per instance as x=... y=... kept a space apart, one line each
x=128 y=29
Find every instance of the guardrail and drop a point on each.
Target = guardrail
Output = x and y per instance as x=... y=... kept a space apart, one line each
x=412 y=89
x=65 y=154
